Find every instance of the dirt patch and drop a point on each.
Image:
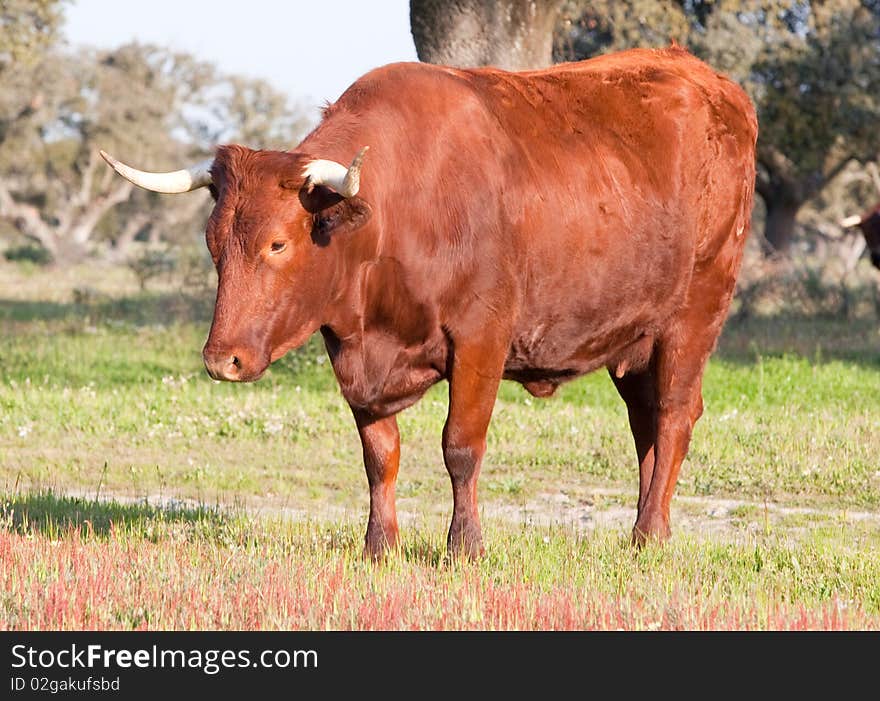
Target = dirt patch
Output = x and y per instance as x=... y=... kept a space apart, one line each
x=726 y=520
x=716 y=518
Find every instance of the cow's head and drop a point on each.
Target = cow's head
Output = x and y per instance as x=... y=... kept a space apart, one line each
x=275 y=216
x=869 y=225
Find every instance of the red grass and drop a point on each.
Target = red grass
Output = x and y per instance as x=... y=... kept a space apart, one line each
x=120 y=582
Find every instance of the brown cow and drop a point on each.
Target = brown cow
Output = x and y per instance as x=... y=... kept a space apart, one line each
x=531 y=226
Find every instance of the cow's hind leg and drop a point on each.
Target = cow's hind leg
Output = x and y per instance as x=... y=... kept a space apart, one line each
x=679 y=405
x=380 y=439
x=680 y=359
x=639 y=392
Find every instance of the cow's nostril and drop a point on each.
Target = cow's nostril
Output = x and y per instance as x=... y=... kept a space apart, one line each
x=223 y=365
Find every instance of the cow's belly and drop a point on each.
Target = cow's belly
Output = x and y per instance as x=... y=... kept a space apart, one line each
x=606 y=328
x=601 y=304
x=547 y=356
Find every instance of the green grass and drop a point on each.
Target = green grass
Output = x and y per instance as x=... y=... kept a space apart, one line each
x=112 y=437
x=130 y=406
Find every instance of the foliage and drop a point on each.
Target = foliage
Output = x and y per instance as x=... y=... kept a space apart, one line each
x=151 y=262
x=28 y=253
x=27 y=28
x=827 y=276
x=812 y=68
x=188 y=268
x=153 y=107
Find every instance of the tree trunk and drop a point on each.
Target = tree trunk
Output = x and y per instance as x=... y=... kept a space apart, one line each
x=784 y=192
x=779 y=227
x=509 y=34
x=67 y=240
x=27 y=220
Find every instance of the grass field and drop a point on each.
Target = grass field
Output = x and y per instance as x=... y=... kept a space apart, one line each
x=138 y=493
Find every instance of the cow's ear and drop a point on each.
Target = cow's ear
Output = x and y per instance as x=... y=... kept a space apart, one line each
x=346 y=215
x=331 y=212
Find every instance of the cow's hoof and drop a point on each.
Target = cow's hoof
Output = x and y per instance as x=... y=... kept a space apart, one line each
x=650 y=531
x=376 y=548
x=466 y=545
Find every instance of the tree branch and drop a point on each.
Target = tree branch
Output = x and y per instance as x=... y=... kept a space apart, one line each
x=27 y=220
x=133 y=226
x=88 y=176
x=84 y=224
x=875 y=175
x=829 y=173
x=32 y=106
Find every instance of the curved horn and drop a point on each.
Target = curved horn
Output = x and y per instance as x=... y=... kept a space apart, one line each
x=176 y=181
x=346 y=181
x=853 y=220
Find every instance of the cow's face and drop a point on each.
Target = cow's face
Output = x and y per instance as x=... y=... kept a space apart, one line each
x=271 y=238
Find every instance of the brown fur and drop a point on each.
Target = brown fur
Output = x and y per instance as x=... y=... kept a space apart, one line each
x=531 y=226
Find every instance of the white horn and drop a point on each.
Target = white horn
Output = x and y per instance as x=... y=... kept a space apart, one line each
x=176 y=181
x=346 y=181
x=854 y=220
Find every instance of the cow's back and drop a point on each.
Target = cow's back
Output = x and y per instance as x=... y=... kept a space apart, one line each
x=572 y=202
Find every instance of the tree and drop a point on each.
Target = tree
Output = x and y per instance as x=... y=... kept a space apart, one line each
x=812 y=69
x=819 y=108
x=28 y=28
x=156 y=107
x=54 y=187
x=511 y=34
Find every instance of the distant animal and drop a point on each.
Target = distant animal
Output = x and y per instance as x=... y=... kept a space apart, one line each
x=869 y=224
x=531 y=226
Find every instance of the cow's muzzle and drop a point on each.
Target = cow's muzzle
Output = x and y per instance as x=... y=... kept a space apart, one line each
x=875 y=259
x=230 y=365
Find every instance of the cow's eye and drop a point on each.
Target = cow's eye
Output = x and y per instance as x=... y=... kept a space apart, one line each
x=278 y=246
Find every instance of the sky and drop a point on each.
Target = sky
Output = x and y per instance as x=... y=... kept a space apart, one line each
x=310 y=49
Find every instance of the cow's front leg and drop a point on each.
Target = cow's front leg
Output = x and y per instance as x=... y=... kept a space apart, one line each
x=473 y=386
x=381 y=443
